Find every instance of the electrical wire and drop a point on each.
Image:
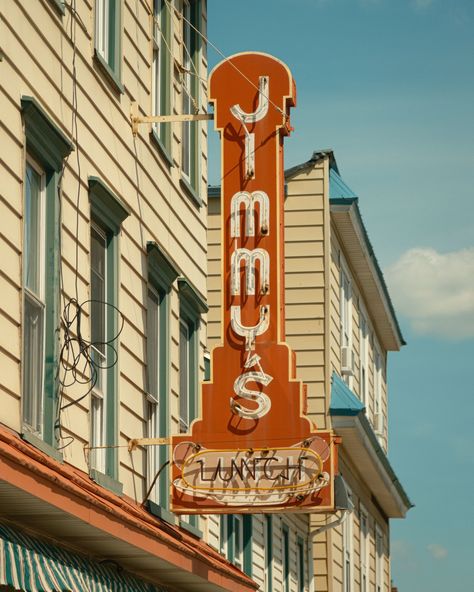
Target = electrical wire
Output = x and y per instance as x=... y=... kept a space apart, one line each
x=215 y=48
x=76 y=357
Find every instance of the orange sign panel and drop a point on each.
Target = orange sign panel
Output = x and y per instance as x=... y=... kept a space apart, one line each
x=252 y=449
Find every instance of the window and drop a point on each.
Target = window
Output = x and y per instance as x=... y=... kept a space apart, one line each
x=190 y=91
x=236 y=540
x=34 y=298
x=161 y=72
x=99 y=336
x=347 y=548
x=153 y=387
x=161 y=275
x=346 y=312
x=364 y=552
x=379 y=424
x=268 y=544
x=224 y=534
x=186 y=365
x=301 y=564
x=46 y=149
x=107 y=214
x=347 y=361
x=107 y=37
x=364 y=357
x=379 y=557
x=285 y=560
x=190 y=310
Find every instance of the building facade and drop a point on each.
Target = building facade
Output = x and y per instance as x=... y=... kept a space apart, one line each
x=340 y=323
x=103 y=281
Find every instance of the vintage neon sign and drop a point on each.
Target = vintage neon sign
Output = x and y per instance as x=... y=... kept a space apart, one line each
x=252 y=446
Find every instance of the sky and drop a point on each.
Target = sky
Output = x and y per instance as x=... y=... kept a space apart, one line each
x=389 y=86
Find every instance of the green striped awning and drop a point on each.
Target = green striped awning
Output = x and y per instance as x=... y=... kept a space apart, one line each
x=30 y=564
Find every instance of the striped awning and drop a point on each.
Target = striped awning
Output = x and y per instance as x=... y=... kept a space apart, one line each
x=30 y=564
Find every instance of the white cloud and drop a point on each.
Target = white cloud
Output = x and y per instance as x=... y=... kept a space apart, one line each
x=435 y=291
x=438 y=551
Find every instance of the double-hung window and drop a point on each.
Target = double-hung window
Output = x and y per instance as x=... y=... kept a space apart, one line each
x=34 y=304
x=364 y=357
x=191 y=43
x=364 y=550
x=152 y=389
x=107 y=214
x=300 y=560
x=348 y=549
x=285 y=558
x=379 y=558
x=99 y=335
x=236 y=540
x=107 y=37
x=161 y=77
x=46 y=148
x=379 y=423
x=187 y=367
x=268 y=550
x=345 y=295
x=161 y=275
x=191 y=306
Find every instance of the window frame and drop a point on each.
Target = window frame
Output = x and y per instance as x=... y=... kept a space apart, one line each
x=268 y=550
x=236 y=540
x=47 y=146
x=285 y=557
x=364 y=356
x=36 y=299
x=190 y=149
x=191 y=307
x=162 y=41
x=109 y=212
x=379 y=558
x=108 y=52
x=301 y=563
x=364 y=548
x=162 y=274
x=100 y=395
x=348 y=547
x=346 y=314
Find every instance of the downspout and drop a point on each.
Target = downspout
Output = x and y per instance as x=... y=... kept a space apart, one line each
x=333 y=524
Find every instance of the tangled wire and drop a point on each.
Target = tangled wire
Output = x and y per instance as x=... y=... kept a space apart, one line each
x=78 y=363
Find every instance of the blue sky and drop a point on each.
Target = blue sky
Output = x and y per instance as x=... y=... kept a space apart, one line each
x=389 y=85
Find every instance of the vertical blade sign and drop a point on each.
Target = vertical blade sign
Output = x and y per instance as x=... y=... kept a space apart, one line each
x=252 y=449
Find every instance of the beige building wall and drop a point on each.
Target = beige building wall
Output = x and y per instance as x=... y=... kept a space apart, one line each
x=313 y=292
x=94 y=113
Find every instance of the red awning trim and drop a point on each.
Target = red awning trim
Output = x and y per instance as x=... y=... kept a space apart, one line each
x=71 y=484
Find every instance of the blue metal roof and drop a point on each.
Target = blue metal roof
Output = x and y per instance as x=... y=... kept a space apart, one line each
x=337 y=187
x=343 y=400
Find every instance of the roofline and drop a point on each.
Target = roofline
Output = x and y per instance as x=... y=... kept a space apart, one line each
x=316 y=157
x=351 y=204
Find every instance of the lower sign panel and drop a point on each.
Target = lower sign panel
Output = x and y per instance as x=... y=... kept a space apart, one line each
x=240 y=480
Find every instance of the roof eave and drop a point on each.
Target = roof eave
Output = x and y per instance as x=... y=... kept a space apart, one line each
x=365 y=449
x=388 y=323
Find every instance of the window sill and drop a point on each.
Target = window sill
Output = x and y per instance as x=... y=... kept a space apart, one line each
x=194 y=530
x=160 y=512
x=59 y=5
x=106 y=481
x=191 y=192
x=112 y=77
x=40 y=444
x=161 y=147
